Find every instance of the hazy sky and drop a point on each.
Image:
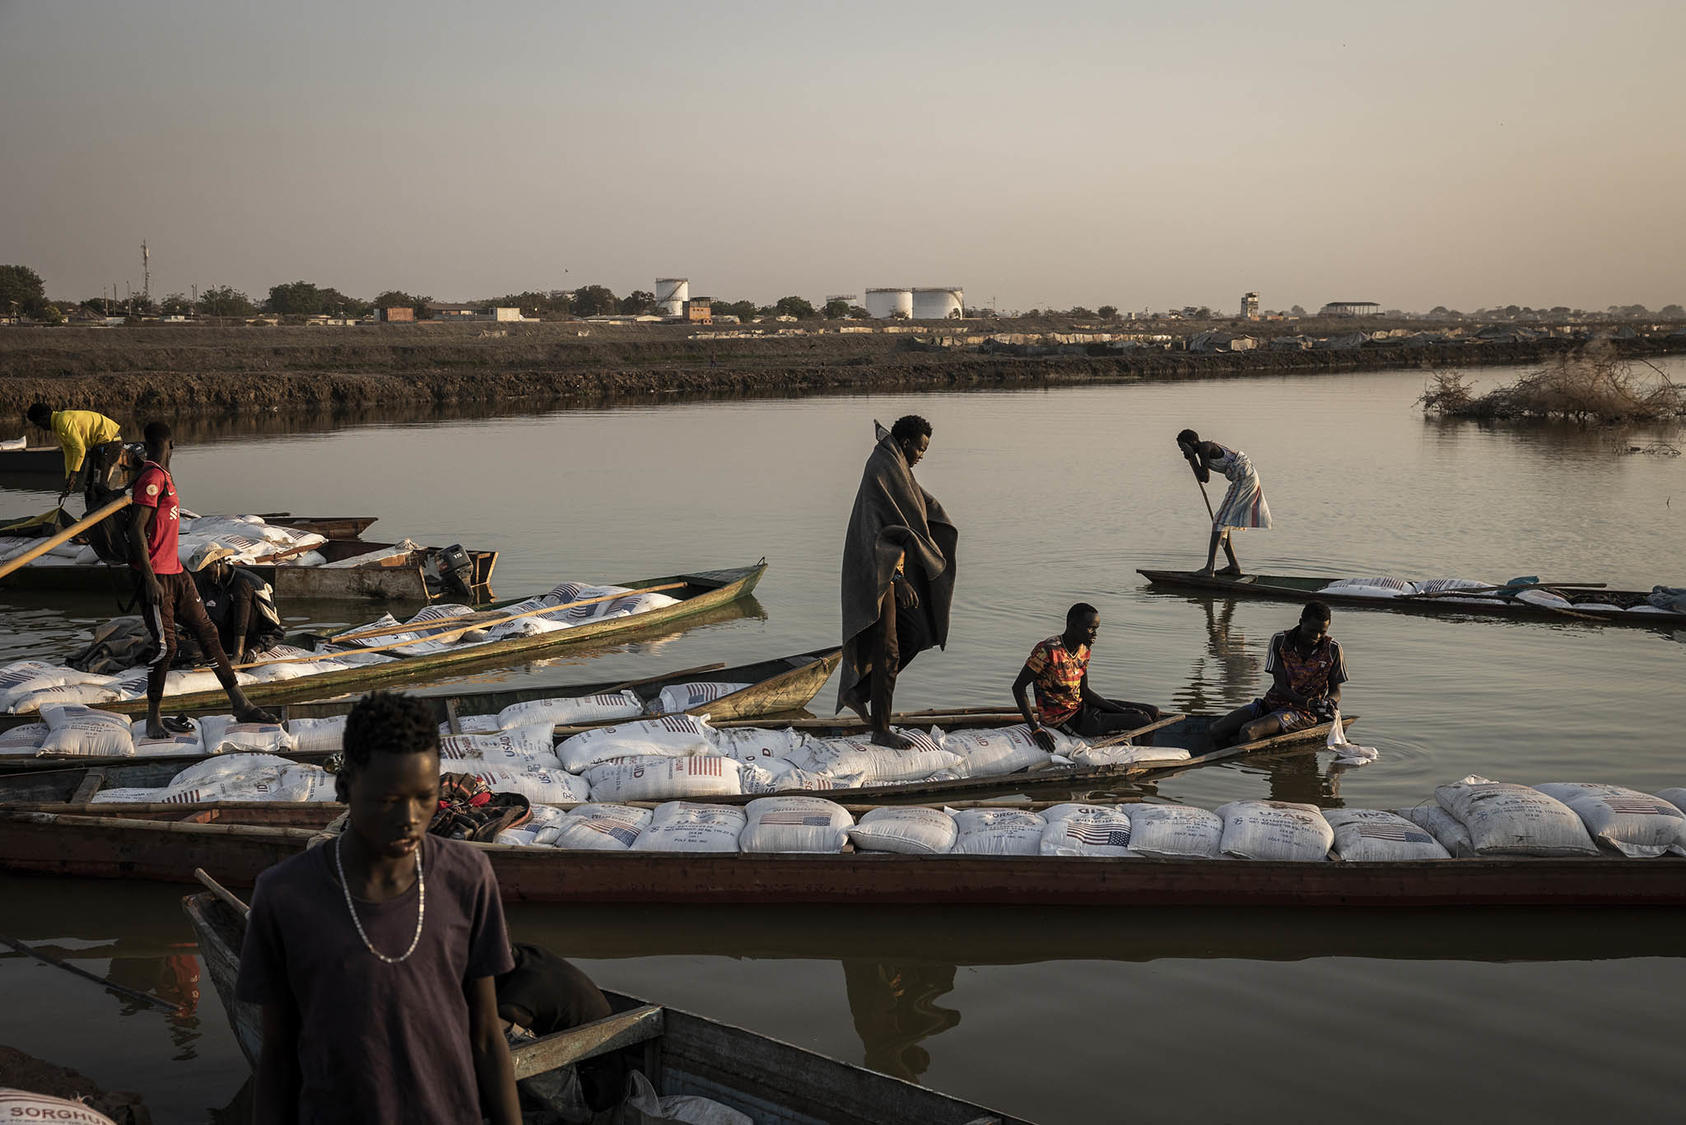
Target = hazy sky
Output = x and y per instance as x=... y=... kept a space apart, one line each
x=1472 y=153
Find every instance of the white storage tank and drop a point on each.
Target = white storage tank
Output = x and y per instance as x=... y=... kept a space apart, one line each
x=883 y=304
x=938 y=304
x=671 y=295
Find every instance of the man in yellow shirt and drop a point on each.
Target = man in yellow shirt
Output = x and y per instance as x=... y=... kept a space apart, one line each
x=77 y=431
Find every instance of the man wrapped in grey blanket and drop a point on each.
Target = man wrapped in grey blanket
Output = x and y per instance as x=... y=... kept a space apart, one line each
x=898 y=575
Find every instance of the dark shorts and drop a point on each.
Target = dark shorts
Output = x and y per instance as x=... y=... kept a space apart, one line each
x=1092 y=722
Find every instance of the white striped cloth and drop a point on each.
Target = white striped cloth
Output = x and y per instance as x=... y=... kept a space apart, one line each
x=1244 y=504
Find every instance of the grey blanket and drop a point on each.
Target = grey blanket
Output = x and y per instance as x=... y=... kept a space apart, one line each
x=892 y=515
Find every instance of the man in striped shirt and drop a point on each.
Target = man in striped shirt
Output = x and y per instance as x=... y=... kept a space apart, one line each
x=1307 y=669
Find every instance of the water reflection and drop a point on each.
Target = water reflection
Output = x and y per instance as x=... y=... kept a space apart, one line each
x=1227 y=673
x=894 y=1006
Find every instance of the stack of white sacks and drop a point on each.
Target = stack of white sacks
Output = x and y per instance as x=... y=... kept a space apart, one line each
x=250 y=539
x=28 y=686
x=1385 y=587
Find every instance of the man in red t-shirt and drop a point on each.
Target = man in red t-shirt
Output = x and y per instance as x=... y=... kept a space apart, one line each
x=1059 y=669
x=166 y=591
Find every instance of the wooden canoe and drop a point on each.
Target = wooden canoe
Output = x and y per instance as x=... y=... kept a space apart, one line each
x=33 y=461
x=776 y=687
x=682 y=1053
x=1304 y=588
x=702 y=592
x=395 y=579
x=68 y=785
x=98 y=847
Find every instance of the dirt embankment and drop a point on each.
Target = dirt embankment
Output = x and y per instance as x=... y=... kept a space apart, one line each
x=186 y=371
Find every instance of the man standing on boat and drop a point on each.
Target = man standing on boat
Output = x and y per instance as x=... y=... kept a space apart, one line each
x=1307 y=669
x=77 y=432
x=1058 y=668
x=1243 y=505
x=166 y=591
x=898 y=575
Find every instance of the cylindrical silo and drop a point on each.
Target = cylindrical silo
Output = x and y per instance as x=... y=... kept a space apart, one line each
x=938 y=304
x=882 y=304
x=671 y=295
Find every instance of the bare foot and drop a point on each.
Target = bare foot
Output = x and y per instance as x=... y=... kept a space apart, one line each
x=155 y=728
x=1203 y=572
x=1231 y=572
x=251 y=713
x=890 y=739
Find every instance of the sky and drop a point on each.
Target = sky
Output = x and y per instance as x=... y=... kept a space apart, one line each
x=1143 y=155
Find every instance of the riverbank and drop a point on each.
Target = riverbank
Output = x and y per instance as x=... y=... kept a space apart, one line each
x=187 y=371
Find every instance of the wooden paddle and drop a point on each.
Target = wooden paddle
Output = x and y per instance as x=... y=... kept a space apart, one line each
x=1164 y=720
x=221 y=892
x=698 y=670
x=64 y=536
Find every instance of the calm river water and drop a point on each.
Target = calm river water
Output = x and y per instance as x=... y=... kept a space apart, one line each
x=1060 y=495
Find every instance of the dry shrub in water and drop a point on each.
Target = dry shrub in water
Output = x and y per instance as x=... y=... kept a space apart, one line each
x=1589 y=387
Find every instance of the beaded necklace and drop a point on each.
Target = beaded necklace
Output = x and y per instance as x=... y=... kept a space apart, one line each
x=421 y=907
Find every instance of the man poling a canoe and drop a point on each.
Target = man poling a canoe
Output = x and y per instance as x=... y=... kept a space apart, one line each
x=1243 y=505
x=1307 y=669
x=898 y=575
x=166 y=591
x=1058 y=668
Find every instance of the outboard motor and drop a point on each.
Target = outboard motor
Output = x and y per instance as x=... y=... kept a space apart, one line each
x=456 y=570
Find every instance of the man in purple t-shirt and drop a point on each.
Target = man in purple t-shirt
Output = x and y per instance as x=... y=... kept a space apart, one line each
x=373 y=955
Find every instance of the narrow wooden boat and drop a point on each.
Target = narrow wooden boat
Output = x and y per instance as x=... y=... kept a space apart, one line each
x=396 y=578
x=1304 y=588
x=332 y=527
x=779 y=686
x=681 y=1053
x=44 y=461
x=698 y=593
x=99 y=847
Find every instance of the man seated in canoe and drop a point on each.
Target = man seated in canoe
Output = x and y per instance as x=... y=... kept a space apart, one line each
x=1058 y=668
x=544 y=994
x=1307 y=669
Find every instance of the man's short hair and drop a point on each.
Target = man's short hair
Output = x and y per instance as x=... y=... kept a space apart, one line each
x=1316 y=611
x=157 y=433
x=1080 y=611
x=909 y=427
x=1188 y=437
x=40 y=414
x=384 y=722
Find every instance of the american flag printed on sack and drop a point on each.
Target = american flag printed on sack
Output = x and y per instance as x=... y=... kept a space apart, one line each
x=702 y=767
x=801 y=819
x=614 y=831
x=1099 y=835
x=1638 y=806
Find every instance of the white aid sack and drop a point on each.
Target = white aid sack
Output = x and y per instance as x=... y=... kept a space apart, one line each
x=679 y=1109
x=287 y=665
x=989 y=753
x=1368 y=587
x=910 y=831
x=524 y=748
x=178 y=681
x=317 y=736
x=22 y=1105
x=22 y=740
x=875 y=765
x=83 y=732
x=1123 y=754
x=187 y=743
x=25 y=677
x=758 y=744
x=1675 y=797
x=1446 y=829
x=681 y=827
x=658 y=779
x=470 y=724
x=600 y=828
x=997 y=832
x=259 y=777
x=636 y=603
x=602 y=708
x=687 y=697
x=770 y=775
x=672 y=736
x=795 y=824
x=1072 y=829
x=540 y=829
x=540 y=786
x=86 y=694
x=223 y=735
x=1275 y=830
x=128 y=795
x=1380 y=836
x=1505 y=819
x=1636 y=824
x=1174 y=831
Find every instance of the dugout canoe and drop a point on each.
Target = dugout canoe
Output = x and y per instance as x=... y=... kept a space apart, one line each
x=698 y=593
x=1304 y=588
x=778 y=686
x=398 y=578
x=679 y=1052
x=32 y=461
x=100 y=847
